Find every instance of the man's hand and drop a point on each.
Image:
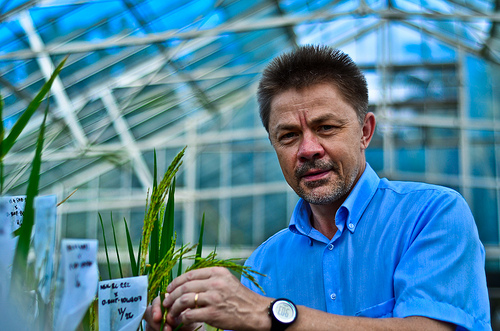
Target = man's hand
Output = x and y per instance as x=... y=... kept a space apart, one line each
x=153 y=317
x=216 y=297
x=221 y=301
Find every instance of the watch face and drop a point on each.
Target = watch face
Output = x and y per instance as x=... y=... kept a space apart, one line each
x=284 y=311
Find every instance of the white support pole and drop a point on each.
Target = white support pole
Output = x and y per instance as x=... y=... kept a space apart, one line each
x=139 y=165
x=65 y=107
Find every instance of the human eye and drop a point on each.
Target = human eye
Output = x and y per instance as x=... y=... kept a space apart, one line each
x=326 y=128
x=287 y=137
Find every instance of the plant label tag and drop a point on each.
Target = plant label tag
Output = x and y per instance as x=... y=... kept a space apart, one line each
x=6 y=247
x=76 y=283
x=15 y=211
x=45 y=242
x=11 y=219
x=122 y=303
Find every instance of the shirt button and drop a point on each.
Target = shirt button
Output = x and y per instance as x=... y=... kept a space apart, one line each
x=351 y=226
x=330 y=247
x=333 y=296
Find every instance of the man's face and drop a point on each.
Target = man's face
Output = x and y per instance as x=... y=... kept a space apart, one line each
x=319 y=142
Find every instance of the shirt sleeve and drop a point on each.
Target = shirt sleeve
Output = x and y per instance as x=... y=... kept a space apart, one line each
x=441 y=274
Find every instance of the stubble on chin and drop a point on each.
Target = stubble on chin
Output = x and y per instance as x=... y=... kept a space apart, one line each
x=333 y=189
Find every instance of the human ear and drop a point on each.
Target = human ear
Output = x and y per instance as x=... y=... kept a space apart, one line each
x=367 y=130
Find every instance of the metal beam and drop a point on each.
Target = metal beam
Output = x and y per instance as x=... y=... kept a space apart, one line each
x=454 y=42
x=65 y=107
x=127 y=139
x=244 y=26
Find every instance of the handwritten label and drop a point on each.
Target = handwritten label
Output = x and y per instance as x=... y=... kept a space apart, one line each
x=6 y=247
x=11 y=219
x=122 y=302
x=44 y=242
x=16 y=211
x=77 y=282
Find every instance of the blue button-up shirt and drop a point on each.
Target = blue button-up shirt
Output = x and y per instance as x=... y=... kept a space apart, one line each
x=401 y=249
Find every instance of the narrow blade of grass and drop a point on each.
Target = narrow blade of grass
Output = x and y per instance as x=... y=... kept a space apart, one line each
x=22 y=121
x=155 y=233
x=179 y=267
x=23 y=244
x=138 y=257
x=155 y=171
x=154 y=243
x=105 y=246
x=200 y=240
x=116 y=247
x=167 y=232
x=157 y=199
x=133 y=263
x=2 y=133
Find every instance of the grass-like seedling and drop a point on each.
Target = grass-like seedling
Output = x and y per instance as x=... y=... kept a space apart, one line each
x=158 y=252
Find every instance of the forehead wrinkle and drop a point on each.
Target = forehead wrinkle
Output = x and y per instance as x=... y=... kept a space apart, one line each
x=326 y=117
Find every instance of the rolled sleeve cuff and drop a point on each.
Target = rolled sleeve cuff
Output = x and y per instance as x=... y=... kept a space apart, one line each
x=440 y=311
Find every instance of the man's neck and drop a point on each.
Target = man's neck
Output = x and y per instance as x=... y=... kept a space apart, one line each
x=323 y=219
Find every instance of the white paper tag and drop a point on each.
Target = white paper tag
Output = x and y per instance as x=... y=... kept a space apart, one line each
x=11 y=219
x=76 y=284
x=44 y=242
x=6 y=247
x=122 y=303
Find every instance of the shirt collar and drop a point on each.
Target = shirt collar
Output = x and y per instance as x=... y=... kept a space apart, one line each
x=348 y=214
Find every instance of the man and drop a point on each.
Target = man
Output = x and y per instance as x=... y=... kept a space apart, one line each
x=360 y=253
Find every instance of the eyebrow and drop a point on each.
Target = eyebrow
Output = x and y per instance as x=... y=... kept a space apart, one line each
x=316 y=121
x=327 y=117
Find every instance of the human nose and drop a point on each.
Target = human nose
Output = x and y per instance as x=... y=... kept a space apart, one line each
x=310 y=147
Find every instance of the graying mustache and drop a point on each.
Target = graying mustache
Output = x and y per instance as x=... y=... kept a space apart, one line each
x=321 y=166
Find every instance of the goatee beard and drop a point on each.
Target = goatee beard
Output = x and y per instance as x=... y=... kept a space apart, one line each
x=335 y=190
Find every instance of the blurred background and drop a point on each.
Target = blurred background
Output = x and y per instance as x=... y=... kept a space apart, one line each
x=156 y=75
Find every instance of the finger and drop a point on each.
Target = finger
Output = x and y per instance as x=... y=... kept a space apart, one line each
x=193 y=316
x=187 y=301
x=153 y=316
x=198 y=274
x=189 y=288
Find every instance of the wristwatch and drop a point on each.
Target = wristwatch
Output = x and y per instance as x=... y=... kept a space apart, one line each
x=283 y=313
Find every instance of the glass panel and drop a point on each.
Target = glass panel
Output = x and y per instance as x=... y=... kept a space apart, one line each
x=485 y=210
x=242 y=165
x=210 y=208
x=410 y=153
x=241 y=222
x=480 y=89
x=276 y=217
x=208 y=169
x=482 y=152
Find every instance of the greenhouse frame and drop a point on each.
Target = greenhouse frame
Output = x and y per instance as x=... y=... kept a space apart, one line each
x=145 y=78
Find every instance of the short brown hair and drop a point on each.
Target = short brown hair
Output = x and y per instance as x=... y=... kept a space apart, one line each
x=309 y=65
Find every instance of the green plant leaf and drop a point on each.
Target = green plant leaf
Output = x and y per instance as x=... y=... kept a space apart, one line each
x=155 y=233
x=200 y=240
x=179 y=266
x=2 y=133
x=155 y=171
x=138 y=257
x=154 y=243
x=20 y=262
x=22 y=121
x=116 y=247
x=167 y=232
x=105 y=246
x=133 y=263
x=153 y=209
